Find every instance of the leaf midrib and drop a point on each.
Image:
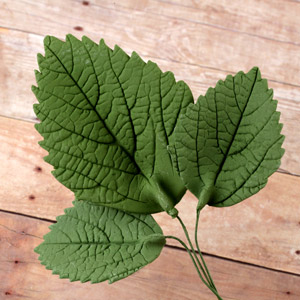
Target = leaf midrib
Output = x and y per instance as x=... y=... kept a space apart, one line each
x=125 y=100
x=251 y=174
x=235 y=131
x=98 y=243
x=99 y=117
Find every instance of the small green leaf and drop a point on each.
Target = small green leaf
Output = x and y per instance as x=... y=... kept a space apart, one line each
x=97 y=243
x=107 y=119
x=229 y=142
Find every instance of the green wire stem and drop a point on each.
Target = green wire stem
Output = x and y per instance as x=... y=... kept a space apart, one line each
x=199 y=251
x=211 y=287
x=192 y=247
x=194 y=262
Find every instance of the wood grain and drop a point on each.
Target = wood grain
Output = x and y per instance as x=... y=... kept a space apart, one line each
x=201 y=42
x=171 y=276
x=264 y=230
x=158 y=35
x=281 y=22
x=18 y=60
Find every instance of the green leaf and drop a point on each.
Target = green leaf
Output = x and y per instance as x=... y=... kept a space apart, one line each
x=229 y=142
x=97 y=243
x=107 y=119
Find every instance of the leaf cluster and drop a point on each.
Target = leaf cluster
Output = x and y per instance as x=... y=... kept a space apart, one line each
x=129 y=140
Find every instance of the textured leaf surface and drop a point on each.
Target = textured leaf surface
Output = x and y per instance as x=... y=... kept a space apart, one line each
x=107 y=119
x=97 y=243
x=229 y=142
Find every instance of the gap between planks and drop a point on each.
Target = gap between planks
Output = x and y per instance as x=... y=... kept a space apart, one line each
x=178 y=248
x=220 y=27
x=280 y=170
x=164 y=59
x=172 y=274
x=261 y=231
x=18 y=75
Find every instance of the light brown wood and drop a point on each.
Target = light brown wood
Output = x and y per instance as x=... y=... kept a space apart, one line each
x=18 y=63
x=276 y=20
x=200 y=42
x=264 y=230
x=171 y=276
x=165 y=36
x=18 y=60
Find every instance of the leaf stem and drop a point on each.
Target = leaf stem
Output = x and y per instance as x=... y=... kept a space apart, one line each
x=191 y=256
x=192 y=247
x=188 y=250
x=208 y=283
x=199 y=251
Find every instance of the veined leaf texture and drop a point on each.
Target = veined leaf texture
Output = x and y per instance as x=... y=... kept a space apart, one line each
x=107 y=119
x=229 y=142
x=97 y=243
x=128 y=140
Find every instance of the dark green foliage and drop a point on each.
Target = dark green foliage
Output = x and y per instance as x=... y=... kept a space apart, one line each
x=97 y=243
x=107 y=119
x=128 y=140
x=229 y=142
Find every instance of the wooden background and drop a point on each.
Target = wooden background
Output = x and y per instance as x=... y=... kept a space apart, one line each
x=252 y=249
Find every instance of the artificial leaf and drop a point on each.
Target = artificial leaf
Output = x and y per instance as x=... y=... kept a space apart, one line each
x=97 y=243
x=107 y=119
x=229 y=142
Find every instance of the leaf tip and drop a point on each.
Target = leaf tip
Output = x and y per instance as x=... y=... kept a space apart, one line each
x=87 y=40
x=151 y=63
x=255 y=72
x=37 y=73
x=102 y=42
x=271 y=91
x=40 y=58
x=135 y=55
x=282 y=136
x=117 y=48
x=219 y=83
x=34 y=89
x=41 y=143
x=255 y=69
x=71 y=38
x=37 y=249
x=67 y=211
x=47 y=40
x=52 y=226
x=35 y=107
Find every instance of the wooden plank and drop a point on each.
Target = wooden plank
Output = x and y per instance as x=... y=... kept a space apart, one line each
x=278 y=20
x=165 y=36
x=171 y=276
x=18 y=60
x=264 y=230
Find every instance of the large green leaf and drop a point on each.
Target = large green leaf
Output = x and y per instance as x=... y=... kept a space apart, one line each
x=229 y=142
x=96 y=243
x=107 y=119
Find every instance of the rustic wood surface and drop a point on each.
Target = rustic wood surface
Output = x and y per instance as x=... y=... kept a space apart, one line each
x=252 y=249
x=251 y=229
x=170 y=277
